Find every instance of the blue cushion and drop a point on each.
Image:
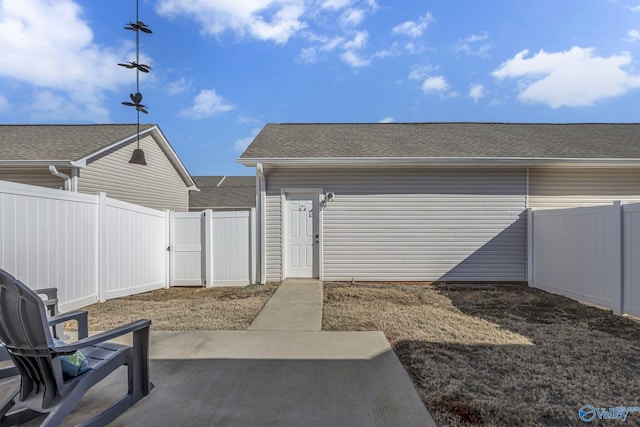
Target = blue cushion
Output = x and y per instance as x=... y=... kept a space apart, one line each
x=73 y=364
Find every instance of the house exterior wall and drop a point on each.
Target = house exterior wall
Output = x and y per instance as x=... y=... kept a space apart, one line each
x=156 y=185
x=410 y=224
x=39 y=176
x=570 y=188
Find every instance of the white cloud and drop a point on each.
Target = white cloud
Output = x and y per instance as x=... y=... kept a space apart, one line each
x=179 y=86
x=241 y=144
x=436 y=84
x=472 y=45
x=53 y=107
x=635 y=9
x=413 y=49
x=420 y=72
x=352 y=17
x=308 y=55
x=351 y=55
x=313 y=54
x=358 y=42
x=354 y=59
x=387 y=120
x=336 y=4
x=269 y=20
x=572 y=78
x=47 y=44
x=393 y=51
x=413 y=28
x=332 y=44
x=476 y=92
x=206 y=104
x=633 y=35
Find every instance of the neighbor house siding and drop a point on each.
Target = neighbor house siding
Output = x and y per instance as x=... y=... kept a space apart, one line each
x=410 y=224
x=156 y=185
x=570 y=188
x=39 y=176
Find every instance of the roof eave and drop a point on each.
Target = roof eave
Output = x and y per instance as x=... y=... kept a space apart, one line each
x=173 y=157
x=442 y=161
x=66 y=163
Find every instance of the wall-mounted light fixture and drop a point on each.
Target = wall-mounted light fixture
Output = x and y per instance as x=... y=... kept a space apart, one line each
x=330 y=197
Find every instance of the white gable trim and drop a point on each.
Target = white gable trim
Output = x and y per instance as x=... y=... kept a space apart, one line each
x=164 y=144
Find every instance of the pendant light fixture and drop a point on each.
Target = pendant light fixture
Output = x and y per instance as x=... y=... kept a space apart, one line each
x=137 y=158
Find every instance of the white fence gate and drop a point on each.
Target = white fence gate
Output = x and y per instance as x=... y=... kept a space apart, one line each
x=94 y=248
x=231 y=247
x=590 y=254
x=186 y=249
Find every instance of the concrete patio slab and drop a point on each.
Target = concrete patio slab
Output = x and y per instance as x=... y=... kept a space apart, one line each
x=267 y=378
x=295 y=306
x=282 y=371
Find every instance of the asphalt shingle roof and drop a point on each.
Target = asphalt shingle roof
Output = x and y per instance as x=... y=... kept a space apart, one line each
x=60 y=142
x=232 y=192
x=446 y=140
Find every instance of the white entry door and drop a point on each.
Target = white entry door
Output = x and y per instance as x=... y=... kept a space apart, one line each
x=302 y=236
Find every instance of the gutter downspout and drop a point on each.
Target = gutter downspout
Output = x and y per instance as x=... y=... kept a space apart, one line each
x=260 y=204
x=67 y=178
x=75 y=174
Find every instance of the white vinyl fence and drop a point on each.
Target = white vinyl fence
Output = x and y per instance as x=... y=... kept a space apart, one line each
x=93 y=248
x=590 y=254
x=231 y=248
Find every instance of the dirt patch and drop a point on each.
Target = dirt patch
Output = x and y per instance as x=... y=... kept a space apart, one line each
x=182 y=309
x=498 y=355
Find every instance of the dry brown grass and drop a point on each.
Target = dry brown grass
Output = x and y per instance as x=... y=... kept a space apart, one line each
x=182 y=309
x=503 y=356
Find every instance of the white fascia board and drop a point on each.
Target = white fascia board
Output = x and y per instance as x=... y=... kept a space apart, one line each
x=182 y=170
x=444 y=161
x=66 y=163
x=110 y=146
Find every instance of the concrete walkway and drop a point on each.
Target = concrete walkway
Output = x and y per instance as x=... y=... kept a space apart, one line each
x=295 y=306
x=284 y=371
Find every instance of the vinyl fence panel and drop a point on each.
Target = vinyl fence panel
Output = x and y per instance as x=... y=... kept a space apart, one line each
x=631 y=226
x=589 y=254
x=48 y=239
x=233 y=251
x=133 y=254
x=93 y=248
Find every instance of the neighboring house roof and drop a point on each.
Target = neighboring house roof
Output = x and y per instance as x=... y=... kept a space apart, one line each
x=75 y=145
x=223 y=192
x=443 y=143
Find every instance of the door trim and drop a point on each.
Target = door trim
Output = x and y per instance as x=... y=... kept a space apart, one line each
x=316 y=194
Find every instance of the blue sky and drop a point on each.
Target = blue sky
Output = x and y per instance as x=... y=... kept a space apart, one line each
x=221 y=69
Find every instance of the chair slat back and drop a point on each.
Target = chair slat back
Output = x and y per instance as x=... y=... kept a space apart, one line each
x=25 y=333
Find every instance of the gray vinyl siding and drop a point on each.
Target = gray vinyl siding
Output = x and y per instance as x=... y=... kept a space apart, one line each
x=39 y=176
x=410 y=224
x=568 y=188
x=156 y=185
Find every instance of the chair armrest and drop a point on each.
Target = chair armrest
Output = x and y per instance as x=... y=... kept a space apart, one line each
x=51 y=303
x=134 y=327
x=51 y=293
x=80 y=316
